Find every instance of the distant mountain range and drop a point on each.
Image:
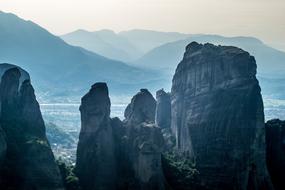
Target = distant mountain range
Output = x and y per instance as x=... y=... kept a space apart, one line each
x=59 y=69
x=125 y=46
x=270 y=61
x=164 y=50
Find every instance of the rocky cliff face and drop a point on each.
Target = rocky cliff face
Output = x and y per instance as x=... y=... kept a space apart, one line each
x=141 y=109
x=217 y=117
x=119 y=155
x=29 y=162
x=163 y=109
x=275 y=152
x=145 y=141
x=96 y=162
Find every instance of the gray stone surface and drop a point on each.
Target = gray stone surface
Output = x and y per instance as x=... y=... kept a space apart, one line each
x=163 y=109
x=96 y=162
x=29 y=162
x=141 y=109
x=218 y=119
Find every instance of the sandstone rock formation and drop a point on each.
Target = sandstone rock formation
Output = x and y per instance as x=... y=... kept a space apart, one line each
x=163 y=118
x=275 y=152
x=218 y=119
x=96 y=162
x=145 y=142
x=163 y=109
x=29 y=162
x=113 y=154
x=141 y=109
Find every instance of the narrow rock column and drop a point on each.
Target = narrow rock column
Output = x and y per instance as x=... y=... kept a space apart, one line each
x=145 y=142
x=96 y=163
x=163 y=109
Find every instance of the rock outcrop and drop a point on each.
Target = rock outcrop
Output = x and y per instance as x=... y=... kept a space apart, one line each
x=113 y=154
x=163 y=109
x=145 y=142
x=163 y=118
x=141 y=109
x=218 y=119
x=96 y=162
x=275 y=152
x=28 y=161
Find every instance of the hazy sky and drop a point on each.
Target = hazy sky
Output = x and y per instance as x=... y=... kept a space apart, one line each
x=264 y=19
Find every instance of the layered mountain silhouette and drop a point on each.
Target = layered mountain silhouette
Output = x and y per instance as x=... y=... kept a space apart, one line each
x=270 y=61
x=104 y=42
x=126 y=46
x=59 y=67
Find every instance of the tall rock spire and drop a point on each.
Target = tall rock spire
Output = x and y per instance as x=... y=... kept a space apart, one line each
x=217 y=116
x=96 y=162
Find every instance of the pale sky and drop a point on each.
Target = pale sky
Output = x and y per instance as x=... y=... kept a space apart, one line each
x=264 y=19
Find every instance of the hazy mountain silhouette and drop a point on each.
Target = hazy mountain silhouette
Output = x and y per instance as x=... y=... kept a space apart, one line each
x=60 y=68
x=104 y=42
x=124 y=46
x=145 y=40
x=270 y=61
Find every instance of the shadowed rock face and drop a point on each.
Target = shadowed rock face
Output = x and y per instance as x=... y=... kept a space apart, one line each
x=217 y=117
x=96 y=162
x=112 y=154
x=163 y=109
x=145 y=142
x=275 y=152
x=29 y=162
x=141 y=109
x=3 y=147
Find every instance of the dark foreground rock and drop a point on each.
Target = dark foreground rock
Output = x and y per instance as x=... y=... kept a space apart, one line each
x=163 y=109
x=28 y=162
x=119 y=155
x=275 y=152
x=96 y=162
x=218 y=119
x=141 y=109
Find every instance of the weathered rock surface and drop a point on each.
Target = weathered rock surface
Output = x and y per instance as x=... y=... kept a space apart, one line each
x=29 y=162
x=163 y=118
x=96 y=162
x=141 y=109
x=145 y=141
x=218 y=119
x=275 y=152
x=3 y=146
x=113 y=154
x=163 y=109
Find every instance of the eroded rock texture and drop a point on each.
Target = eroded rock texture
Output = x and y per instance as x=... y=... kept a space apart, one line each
x=145 y=142
x=163 y=118
x=163 y=109
x=29 y=162
x=96 y=162
x=113 y=154
x=218 y=119
x=275 y=152
x=141 y=109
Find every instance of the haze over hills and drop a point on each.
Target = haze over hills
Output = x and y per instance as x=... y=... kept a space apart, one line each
x=270 y=61
x=64 y=69
x=164 y=50
x=125 y=46
x=104 y=42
